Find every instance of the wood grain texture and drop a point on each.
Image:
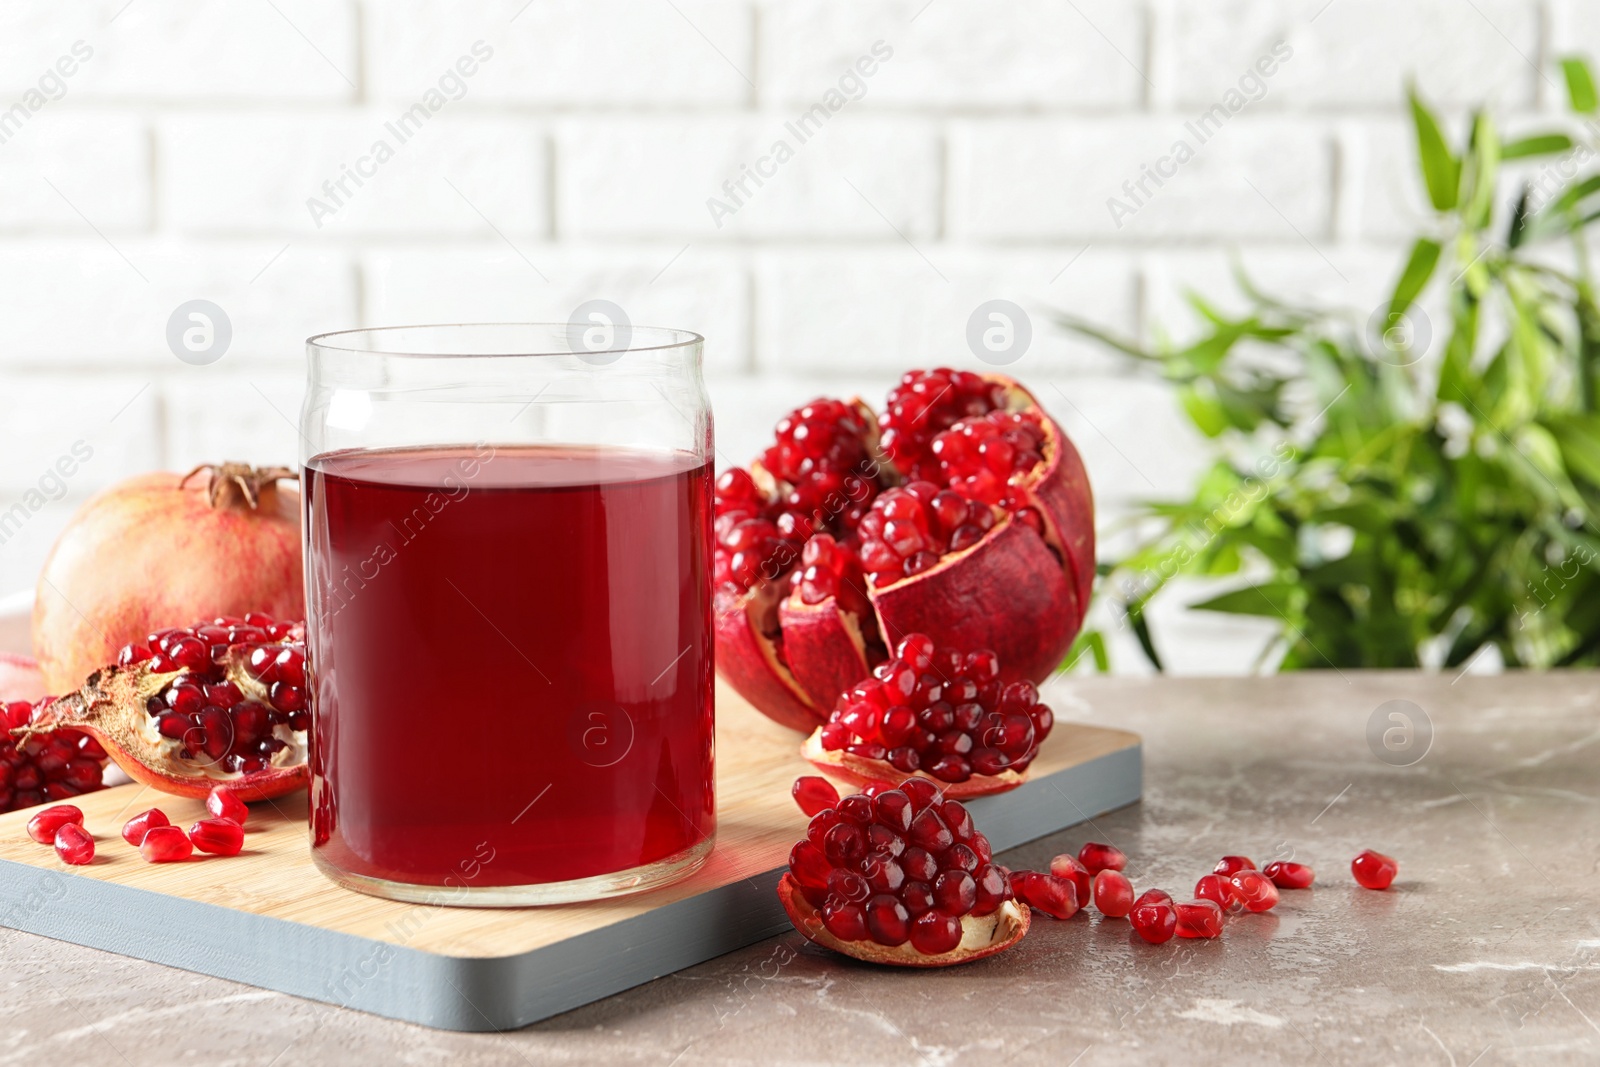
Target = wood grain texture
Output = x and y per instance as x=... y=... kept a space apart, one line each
x=275 y=877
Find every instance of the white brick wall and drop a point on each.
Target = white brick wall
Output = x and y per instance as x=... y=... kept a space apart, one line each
x=971 y=157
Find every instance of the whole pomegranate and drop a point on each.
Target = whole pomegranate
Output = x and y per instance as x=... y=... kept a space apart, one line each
x=967 y=518
x=160 y=550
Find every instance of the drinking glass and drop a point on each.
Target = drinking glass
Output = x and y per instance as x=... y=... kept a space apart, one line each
x=509 y=645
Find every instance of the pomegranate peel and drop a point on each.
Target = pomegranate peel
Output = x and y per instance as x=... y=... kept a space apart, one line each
x=981 y=935
x=112 y=709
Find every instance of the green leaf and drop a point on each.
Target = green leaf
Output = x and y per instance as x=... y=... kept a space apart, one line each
x=1094 y=643
x=1580 y=85
x=1579 y=439
x=1203 y=409
x=1275 y=599
x=1419 y=268
x=1482 y=166
x=1542 y=144
x=1441 y=171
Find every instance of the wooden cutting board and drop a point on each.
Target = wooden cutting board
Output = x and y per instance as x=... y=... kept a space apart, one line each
x=268 y=918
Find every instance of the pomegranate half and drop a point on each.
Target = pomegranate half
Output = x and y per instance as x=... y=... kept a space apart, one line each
x=160 y=550
x=964 y=513
x=185 y=710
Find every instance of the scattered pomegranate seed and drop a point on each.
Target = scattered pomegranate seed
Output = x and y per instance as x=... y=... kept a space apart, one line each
x=1374 y=870
x=1228 y=866
x=74 y=845
x=219 y=837
x=1199 y=918
x=813 y=794
x=1286 y=875
x=1096 y=857
x=134 y=829
x=1216 y=888
x=165 y=844
x=224 y=805
x=1068 y=867
x=43 y=826
x=1113 y=894
x=1048 y=893
x=1254 y=890
x=1154 y=917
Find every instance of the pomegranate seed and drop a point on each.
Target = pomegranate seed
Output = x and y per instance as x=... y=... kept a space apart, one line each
x=1199 y=918
x=43 y=826
x=74 y=845
x=1154 y=918
x=165 y=844
x=1113 y=894
x=224 y=805
x=1068 y=867
x=1048 y=893
x=1374 y=870
x=1254 y=890
x=1287 y=875
x=847 y=922
x=814 y=794
x=933 y=933
x=1218 y=890
x=1228 y=866
x=1097 y=857
x=220 y=837
x=134 y=829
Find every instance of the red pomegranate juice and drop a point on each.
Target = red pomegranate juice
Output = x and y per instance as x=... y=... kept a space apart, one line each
x=512 y=660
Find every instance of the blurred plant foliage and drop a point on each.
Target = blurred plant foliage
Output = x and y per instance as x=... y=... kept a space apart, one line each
x=1398 y=492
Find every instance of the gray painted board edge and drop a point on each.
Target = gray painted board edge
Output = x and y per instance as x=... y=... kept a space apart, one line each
x=485 y=994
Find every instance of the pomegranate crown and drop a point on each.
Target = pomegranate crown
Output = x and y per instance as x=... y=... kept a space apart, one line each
x=238 y=479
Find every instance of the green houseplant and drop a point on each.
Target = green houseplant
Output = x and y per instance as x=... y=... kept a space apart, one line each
x=1413 y=492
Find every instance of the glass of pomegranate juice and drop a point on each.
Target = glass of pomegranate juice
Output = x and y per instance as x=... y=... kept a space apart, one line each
x=508 y=544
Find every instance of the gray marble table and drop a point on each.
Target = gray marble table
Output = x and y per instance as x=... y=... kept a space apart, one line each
x=1486 y=951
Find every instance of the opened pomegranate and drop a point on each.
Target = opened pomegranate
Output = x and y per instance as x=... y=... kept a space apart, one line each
x=159 y=550
x=936 y=712
x=45 y=764
x=184 y=710
x=970 y=520
x=902 y=878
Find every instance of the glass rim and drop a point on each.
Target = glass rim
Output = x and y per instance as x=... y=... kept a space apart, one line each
x=671 y=337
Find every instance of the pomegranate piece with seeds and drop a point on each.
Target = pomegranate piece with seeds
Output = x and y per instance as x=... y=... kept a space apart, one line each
x=38 y=763
x=936 y=712
x=1253 y=890
x=1228 y=866
x=1153 y=916
x=218 y=703
x=166 y=844
x=1113 y=894
x=134 y=829
x=973 y=522
x=1097 y=857
x=1374 y=870
x=1053 y=895
x=902 y=878
x=219 y=837
x=74 y=845
x=43 y=826
x=1199 y=918
x=1286 y=875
